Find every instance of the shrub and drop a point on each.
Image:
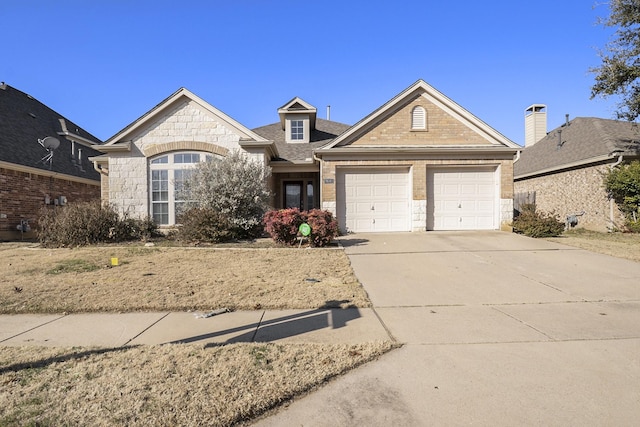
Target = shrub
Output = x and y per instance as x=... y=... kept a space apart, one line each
x=324 y=227
x=87 y=223
x=236 y=187
x=282 y=225
x=533 y=223
x=204 y=224
x=623 y=185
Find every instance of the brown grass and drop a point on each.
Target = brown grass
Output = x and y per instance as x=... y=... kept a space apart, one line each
x=171 y=384
x=37 y=280
x=183 y=385
x=621 y=245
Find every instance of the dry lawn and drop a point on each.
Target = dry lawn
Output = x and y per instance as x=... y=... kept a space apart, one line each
x=183 y=385
x=621 y=245
x=37 y=280
x=186 y=385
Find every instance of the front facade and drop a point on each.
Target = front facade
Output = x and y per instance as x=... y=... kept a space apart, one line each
x=563 y=171
x=419 y=162
x=43 y=163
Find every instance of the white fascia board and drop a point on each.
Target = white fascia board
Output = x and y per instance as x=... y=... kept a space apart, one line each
x=114 y=147
x=564 y=166
x=158 y=109
x=440 y=100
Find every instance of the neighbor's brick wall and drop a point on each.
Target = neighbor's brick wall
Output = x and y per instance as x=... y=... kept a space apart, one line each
x=572 y=192
x=185 y=127
x=22 y=195
x=441 y=129
x=419 y=183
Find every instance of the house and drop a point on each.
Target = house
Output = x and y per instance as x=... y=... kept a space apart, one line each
x=562 y=170
x=43 y=162
x=419 y=162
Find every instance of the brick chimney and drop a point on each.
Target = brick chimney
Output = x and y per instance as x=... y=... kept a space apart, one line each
x=535 y=124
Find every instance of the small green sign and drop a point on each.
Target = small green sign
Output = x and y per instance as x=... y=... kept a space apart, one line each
x=304 y=229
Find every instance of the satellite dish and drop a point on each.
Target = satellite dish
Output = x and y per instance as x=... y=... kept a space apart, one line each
x=50 y=143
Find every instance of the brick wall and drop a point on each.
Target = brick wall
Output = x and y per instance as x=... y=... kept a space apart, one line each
x=572 y=192
x=441 y=128
x=22 y=195
x=419 y=183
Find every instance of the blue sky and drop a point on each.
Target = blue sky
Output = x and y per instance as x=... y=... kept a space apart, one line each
x=103 y=64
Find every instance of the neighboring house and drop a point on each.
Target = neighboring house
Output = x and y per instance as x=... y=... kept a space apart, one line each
x=563 y=170
x=43 y=162
x=419 y=162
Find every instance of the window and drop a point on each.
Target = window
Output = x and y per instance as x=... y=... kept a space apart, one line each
x=168 y=175
x=297 y=130
x=418 y=118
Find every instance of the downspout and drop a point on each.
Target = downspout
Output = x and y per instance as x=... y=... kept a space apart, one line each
x=517 y=156
x=612 y=203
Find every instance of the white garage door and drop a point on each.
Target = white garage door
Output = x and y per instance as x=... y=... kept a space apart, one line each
x=461 y=199
x=373 y=200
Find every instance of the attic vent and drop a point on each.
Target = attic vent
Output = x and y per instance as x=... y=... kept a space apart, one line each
x=3 y=86
x=418 y=118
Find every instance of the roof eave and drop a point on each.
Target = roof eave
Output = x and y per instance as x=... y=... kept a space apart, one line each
x=558 y=168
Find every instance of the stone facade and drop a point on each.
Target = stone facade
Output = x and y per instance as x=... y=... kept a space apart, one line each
x=183 y=127
x=575 y=191
x=23 y=195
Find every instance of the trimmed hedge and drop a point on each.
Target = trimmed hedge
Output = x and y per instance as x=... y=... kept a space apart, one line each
x=282 y=225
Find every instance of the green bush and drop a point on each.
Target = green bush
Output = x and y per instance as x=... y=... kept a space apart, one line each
x=282 y=225
x=86 y=223
x=533 y=223
x=204 y=224
x=623 y=185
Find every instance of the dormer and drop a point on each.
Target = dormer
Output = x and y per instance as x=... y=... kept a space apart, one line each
x=298 y=119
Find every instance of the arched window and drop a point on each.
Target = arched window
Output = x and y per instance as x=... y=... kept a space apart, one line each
x=168 y=172
x=418 y=118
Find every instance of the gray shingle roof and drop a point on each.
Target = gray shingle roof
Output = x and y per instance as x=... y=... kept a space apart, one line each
x=324 y=133
x=24 y=120
x=582 y=139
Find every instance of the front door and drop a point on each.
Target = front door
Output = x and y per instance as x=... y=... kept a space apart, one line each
x=293 y=197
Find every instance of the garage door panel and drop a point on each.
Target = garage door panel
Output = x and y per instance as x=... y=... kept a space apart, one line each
x=385 y=190
x=461 y=199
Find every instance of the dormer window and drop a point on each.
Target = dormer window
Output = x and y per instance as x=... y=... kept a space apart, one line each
x=297 y=130
x=298 y=120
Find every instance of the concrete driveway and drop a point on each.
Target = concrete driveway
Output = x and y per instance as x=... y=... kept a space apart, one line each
x=498 y=329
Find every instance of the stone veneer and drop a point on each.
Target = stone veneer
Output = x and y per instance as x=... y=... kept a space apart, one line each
x=183 y=127
x=573 y=192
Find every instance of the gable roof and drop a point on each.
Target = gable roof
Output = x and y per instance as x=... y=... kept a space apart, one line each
x=323 y=133
x=120 y=138
x=298 y=105
x=583 y=141
x=421 y=87
x=24 y=120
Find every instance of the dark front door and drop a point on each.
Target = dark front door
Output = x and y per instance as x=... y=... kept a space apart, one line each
x=293 y=195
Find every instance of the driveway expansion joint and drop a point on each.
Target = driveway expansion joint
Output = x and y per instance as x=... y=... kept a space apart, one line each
x=34 y=328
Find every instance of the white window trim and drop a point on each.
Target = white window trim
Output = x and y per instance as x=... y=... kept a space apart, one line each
x=171 y=167
x=418 y=118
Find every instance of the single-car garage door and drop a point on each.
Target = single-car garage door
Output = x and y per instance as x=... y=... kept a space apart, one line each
x=461 y=199
x=373 y=200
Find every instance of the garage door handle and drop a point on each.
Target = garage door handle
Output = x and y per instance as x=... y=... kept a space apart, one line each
x=459 y=205
x=373 y=208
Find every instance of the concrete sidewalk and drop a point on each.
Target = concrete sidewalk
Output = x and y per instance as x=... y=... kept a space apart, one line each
x=117 y=330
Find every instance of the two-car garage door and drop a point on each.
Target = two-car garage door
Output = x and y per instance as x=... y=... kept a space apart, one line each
x=372 y=200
